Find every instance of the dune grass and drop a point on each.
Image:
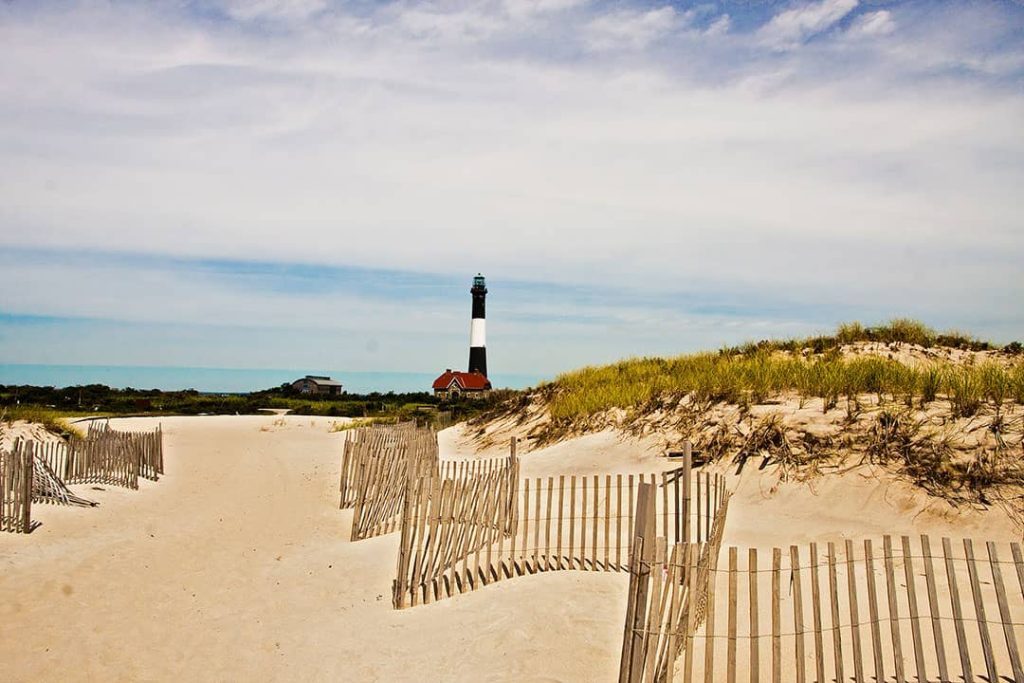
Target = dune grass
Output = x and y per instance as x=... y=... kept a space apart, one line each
x=897 y=330
x=358 y=423
x=753 y=375
x=52 y=420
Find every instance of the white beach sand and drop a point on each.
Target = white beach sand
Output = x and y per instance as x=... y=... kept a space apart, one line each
x=236 y=566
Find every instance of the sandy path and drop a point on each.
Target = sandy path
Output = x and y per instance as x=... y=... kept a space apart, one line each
x=234 y=567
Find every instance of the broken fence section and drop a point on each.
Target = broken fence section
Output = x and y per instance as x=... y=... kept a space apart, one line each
x=37 y=472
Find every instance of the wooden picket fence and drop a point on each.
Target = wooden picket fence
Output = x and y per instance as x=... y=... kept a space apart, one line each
x=16 y=475
x=474 y=527
x=376 y=467
x=902 y=611
x=106 y=456
x=668 y=596
x=463 y=469
x=454 y=532
x=362 y=444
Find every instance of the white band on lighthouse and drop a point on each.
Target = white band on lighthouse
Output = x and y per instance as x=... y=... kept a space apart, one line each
x=478 y=332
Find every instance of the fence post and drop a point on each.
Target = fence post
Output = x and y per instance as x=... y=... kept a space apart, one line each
x=687 y=467
x=26 y=473
x=634 y=639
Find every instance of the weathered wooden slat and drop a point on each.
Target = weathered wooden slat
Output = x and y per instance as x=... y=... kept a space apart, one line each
x=686 y=474
x=521 y=568
x=958 y=617
x=593 y=525
x=819 y=648
x=618 y=522
x=583 y=526
x=754 y=616
x=915 y=619
x=664 y=504
x=572 y=522
x=701 y=537
x=776 y=617
x=876 y=631
x=979 y=611
x=1018 y=563
x=894 y=614
x=607 y=521
x=933 y=608
x=558 y=530
x=535 y=548
x=851 y=583
x=1004 y=613
x=798 y=614
x=730 y=656
x=709 y=623
x=644 y=548
x=654 y=615
x=677 y=578
x=833 y=592
x=691 y=611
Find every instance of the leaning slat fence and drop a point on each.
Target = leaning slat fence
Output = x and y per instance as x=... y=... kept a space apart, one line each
x=16 y=469
x=39 y=472
x=466 y=531
x=376 y=467
x=895 y=611
x=902 y=610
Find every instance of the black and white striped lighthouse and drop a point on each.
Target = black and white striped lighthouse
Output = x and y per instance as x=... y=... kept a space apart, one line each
x=478 y=328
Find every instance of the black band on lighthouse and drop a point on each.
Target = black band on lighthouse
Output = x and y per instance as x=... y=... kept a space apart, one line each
x=478 y=359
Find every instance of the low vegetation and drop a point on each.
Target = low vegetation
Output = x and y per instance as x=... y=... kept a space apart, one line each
x=757 y=377
x=944 y=410
x=896 y=331
x=53 y=420
x=48 y=405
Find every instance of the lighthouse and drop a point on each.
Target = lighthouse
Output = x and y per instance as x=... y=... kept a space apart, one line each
x=455 y=385
x=478 y=328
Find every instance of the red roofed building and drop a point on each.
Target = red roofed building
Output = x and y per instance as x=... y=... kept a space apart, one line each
x=454 y=384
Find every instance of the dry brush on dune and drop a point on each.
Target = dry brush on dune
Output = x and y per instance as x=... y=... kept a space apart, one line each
x=944 y=411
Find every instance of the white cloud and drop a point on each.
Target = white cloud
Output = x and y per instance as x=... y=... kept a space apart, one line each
x=289 y=10
x=531 y=8
x=878 y=173
x=719 y=26
x=873 y=24
x=630 y=29
x=791 y=27
x=430 y=23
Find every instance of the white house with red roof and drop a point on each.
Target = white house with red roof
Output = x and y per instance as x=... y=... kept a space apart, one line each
x=454 y=384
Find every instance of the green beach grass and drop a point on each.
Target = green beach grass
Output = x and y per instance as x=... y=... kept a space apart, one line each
x=757 y=372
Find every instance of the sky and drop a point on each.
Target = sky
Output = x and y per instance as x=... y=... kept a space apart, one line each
x=311 y=183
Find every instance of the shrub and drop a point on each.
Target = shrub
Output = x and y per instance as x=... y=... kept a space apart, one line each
x=848 y=333
x=961 y=340
x=904 y=330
